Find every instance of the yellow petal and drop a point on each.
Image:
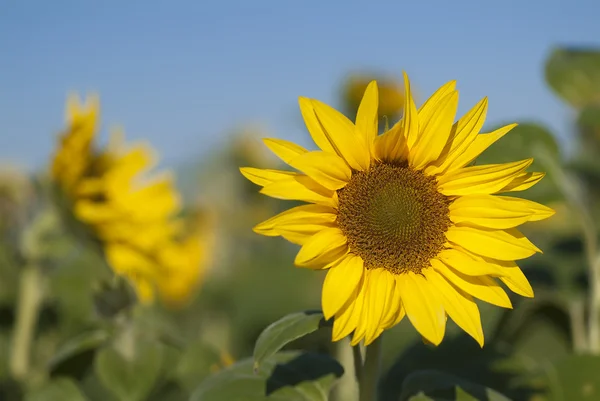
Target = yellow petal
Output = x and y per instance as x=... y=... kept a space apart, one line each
x=299 y=218
x=410 y=118
x=327 y=169
x=481 y=287
x=434 y=132
x=341 y=284
x=492 y=211
x=427 y=108
x=479 y=144
x=391 y=145
x=341 y=134
x=423 y=307
x=458 y=305
x=522 y=182
x=367 y=115
x=313 y=125
x=285 y=150
x=465 y=264
x=378 y=300
x=347 y=319
x=486 y=179
x=265 y=177
x=516 y=281
x=302 y=188
x=464 y=132
x=393 y=309
x=324 y=247
x=126 y=260
x=508 y=244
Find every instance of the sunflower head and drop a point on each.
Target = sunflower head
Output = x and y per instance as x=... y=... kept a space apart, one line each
x=402 y=221
x=129 y=212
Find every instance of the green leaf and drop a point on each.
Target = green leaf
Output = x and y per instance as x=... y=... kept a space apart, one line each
x=130 y=378
x=285 y=376
x=439 y=384
x=462 y=395
x=195 y=364
x=284 y=331
x=61 y=389
x=574 y=74
x=78 y=345
x=575 y=378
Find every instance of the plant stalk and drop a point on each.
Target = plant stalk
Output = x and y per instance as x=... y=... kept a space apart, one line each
x=28 y=306
x=370 y=372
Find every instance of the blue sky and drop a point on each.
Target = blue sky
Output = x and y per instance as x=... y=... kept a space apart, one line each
x=183 y=74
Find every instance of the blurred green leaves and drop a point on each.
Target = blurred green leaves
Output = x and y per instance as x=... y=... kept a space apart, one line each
x=61 y=389
x=574 y=75
x=130 y=377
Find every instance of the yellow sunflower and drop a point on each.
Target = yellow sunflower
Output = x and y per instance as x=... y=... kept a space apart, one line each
x=130 y=213
x=403 y=222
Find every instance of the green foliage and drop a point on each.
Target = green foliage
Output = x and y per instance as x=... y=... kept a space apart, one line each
x=284 y=331
x=129 y=377
x=574 y=377
x=61 y=389
x=285 y=376
x=574 y=74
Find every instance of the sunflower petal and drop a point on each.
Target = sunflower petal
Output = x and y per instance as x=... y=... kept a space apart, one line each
x=379 y=297
x=347 y=319
x=479 y=144
x=516 y=281
x=393 y=309
x=391 y=145
x=313 y=125
x=429 y=107
x=285 y=150
x=303 y=218
x=464 y=132
x=324 y=247
x=486 y=179
x=265 y=177
x=465 y=264
x=458 y=305
x=327 y=169
x=434 y=132
x=410 y=119
x=367 y=117
x=508 y=244
x=496 y=212
x=302 y=188
x=342 y=136
x=423 y=307
x=481 y=287
x=341 y=284
x=522 y=182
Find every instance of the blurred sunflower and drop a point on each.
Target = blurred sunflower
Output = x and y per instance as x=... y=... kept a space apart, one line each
x=402 y=221
x=131 y=214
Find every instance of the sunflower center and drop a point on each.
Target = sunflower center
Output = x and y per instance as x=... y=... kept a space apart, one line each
x=394 y=217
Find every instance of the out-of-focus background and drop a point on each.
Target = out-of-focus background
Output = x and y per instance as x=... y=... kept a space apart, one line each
x=203 y=82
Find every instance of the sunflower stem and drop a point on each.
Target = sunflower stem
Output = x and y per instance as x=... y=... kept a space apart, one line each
x=369 y=377
x=28 y=305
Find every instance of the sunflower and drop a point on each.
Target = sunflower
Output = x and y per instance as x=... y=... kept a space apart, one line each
x=130 y=213
x=403 y=222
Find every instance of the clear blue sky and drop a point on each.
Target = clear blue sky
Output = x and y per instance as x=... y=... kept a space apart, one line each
x=184 y=73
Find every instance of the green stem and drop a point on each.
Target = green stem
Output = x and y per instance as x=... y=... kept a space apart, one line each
x=370 y=372
x=28 y=306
